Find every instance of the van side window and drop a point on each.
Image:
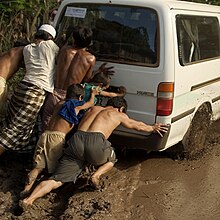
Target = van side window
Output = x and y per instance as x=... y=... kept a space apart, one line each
x=198 y=38
x=121 y=34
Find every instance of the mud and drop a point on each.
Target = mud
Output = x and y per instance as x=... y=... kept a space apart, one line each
x=141 y=186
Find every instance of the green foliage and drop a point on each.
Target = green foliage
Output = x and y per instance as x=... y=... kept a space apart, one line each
x=11 y=6
x=17 y=77
x=20 y=19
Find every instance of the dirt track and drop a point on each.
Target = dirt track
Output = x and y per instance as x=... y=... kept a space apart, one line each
x=141 y=186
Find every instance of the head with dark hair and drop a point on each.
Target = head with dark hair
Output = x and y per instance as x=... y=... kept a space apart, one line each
x=75 y=91
x=40 y=34
x=45 y=32
x=82 y=36
x=118 y=102
x=101 y=78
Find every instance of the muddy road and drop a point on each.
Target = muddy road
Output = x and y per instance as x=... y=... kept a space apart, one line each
x=140 y=186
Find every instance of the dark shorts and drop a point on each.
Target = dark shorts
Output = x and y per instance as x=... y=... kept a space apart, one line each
x=83 y=148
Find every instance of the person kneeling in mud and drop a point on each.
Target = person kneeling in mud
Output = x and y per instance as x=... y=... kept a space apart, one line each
x=90 y=145
x=50 y=144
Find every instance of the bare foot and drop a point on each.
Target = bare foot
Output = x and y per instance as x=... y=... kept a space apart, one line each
x=24 y=194
x=94 y=182
x=29 y=183
x=24 y=205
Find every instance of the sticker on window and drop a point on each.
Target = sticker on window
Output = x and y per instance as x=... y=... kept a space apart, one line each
x=75 y=12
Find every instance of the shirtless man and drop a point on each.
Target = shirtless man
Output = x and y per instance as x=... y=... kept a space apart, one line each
x=10 y=62
x=89 y=144
x=79 y=69
x=74 y=65
x=78 y=65
x=50 y=144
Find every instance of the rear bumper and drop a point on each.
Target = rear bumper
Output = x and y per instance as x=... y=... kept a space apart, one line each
x=152 y=142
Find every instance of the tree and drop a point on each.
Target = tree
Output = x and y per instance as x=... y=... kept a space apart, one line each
x=21 y=18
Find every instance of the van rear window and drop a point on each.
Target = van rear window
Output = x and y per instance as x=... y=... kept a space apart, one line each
x=198 y=38
x=121 y=34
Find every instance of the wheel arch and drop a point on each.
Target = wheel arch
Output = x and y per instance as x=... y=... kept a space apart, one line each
x=205 y=107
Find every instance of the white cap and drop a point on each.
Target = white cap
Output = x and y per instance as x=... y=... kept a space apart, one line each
x=49 y=29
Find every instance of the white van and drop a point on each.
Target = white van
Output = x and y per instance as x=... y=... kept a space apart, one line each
x=166 y=53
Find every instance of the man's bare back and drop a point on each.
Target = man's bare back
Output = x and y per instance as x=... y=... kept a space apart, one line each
x=65 y=57
x=80 y=69
x=101 y=119
x=10 y=62
x=106 y=119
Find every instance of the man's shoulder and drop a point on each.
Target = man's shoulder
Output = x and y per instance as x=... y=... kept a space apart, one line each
x=121 y=115
x=14 y=51
x=51 y=44
x=68 y=49
x=97 y=107
x=83 y=52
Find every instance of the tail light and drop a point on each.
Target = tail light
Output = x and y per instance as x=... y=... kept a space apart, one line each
x=165 y=99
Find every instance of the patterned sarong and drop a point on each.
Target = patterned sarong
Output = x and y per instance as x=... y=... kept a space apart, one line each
x=22 y=113
x=49 y=105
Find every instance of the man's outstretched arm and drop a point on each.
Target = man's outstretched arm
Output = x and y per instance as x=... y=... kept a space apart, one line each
x=141 y=126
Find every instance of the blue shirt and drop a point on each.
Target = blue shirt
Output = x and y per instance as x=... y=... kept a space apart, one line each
x=67 y=111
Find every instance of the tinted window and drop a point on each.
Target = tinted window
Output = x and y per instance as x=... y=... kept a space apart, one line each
x=120 y=34
x=198 y=38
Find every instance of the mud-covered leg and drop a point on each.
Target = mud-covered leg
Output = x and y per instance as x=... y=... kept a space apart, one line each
x=31 y=178
x=41 y=190
x=101 y=170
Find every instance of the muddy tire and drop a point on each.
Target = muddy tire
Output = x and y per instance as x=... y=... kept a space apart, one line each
x=193 y=144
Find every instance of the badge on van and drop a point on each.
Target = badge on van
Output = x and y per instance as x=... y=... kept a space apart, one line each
x=75 y=12
x=144 y=93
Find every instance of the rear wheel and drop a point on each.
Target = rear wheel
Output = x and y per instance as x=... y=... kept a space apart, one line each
x=194 y=141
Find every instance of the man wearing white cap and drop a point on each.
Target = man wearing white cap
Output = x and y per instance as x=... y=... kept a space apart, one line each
x=30 y=93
